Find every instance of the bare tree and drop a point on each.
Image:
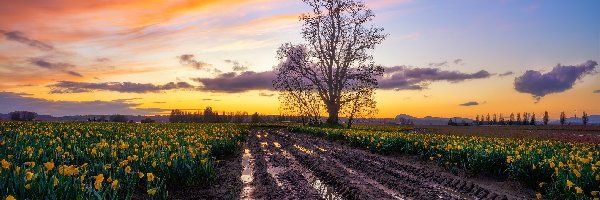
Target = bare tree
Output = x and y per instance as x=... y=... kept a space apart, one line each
x=362 y=104
x=563 y=118
x=546 y=118
x=335 y=65
x=512 y=119
x=585 y=118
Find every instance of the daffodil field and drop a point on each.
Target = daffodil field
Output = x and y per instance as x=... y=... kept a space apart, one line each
x=557 y=169
x=54 y=160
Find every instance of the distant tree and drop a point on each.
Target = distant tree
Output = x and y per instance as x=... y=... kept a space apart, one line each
x=22 y=116
x=209 y=115
x=518 y=119
x=118 y=118
x=495 y=121
x=546 y=118
x=502 y=122
x=450 y=122
x=255 y=118
x=563 y=118
x=585 y=118
x=148 y=120
x=525 y=118
x=477 y=119
x=532 y=119
x=487 y=119
x=512 y=119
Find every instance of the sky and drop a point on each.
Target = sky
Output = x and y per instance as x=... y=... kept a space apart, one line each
x=442 y=58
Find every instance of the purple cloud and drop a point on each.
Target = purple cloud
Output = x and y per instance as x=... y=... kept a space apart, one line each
x=125 y=87
x=264 y=94
x=560 y=79
x=15 y=101
x=236 y=65
x=414 y=78
x=470 y=103
x=190 y=60
x=459 y=61
x=506 y=74
x=233 y=82
x=56 y=66
x=20 y=37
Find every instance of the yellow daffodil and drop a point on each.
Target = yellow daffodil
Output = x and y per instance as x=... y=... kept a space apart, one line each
x=49 y=165
x=98 y=181
x=115 y=184
x=150 y=177
x=151 y=192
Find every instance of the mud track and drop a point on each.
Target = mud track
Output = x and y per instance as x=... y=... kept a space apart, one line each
x=288 y=165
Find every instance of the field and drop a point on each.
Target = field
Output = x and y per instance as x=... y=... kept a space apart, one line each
x=110 y=160
x=236 y=161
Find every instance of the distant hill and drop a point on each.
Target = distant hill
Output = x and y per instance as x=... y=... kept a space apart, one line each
x=593 y=119
x=429 y=120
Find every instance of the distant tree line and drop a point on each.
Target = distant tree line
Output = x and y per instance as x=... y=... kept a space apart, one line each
x=522 y=119
x=22 y=116
x=112 y=118
x=208 y=115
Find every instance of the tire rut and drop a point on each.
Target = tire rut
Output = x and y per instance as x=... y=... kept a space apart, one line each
x=411 y=180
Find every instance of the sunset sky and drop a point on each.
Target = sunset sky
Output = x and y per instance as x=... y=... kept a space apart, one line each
x=454 y=58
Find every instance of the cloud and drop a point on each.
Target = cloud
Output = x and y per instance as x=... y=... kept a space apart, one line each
x=560 y=79
x=596 y=91
x=102 y=59
x=236 y=65
x=125 y=87
x=43 y=63
x=506 y=74
x=459 y=61
x=20 y=37
x=72 y=73
x=159 y=102
x=414 y=78
x=440 y=64
x=470 y=103
x=190 y=60
x=14 y=101
x=126 y=100
x=58 y=66
x=264 y=94
x=233 y=82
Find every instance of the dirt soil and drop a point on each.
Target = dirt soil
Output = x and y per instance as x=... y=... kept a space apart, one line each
x=278 y=164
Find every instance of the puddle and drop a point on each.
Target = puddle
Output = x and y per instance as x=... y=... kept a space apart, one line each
x=453 y=193
x=303 y=149
x=321 y=149
x=247 y=176
x=323 y=189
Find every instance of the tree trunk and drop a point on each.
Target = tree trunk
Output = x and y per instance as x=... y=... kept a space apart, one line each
x=333 y=115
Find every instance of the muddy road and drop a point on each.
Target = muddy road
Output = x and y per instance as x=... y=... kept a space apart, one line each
x=281 y=165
